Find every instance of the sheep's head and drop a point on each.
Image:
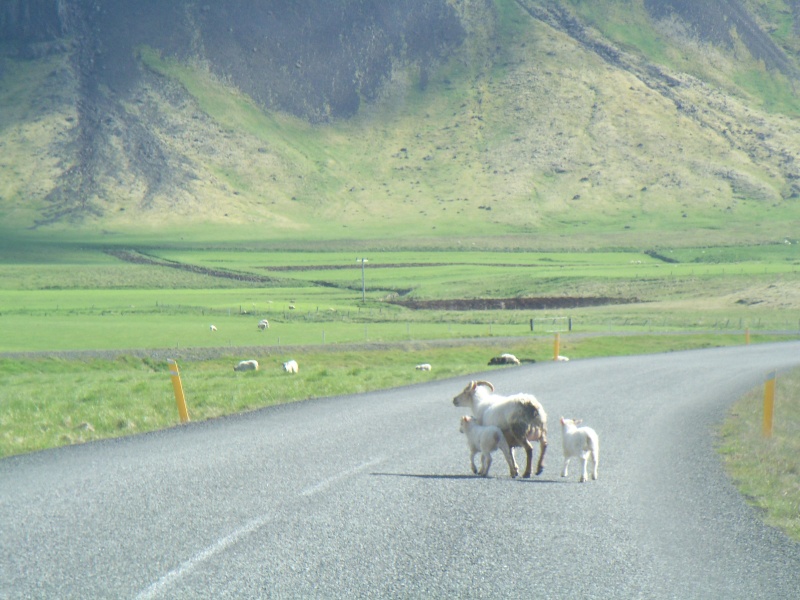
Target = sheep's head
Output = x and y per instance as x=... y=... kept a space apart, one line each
x=467 y=395
x=465 y=424
x=566 y=423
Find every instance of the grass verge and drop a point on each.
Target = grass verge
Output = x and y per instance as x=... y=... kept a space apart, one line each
x=765 y=469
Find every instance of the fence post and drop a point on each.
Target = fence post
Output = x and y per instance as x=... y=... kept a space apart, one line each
x=769 y=404
x=180 y=399
x=556 y=346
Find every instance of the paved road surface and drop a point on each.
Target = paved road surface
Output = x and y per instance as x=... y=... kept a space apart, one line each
x=370 y=497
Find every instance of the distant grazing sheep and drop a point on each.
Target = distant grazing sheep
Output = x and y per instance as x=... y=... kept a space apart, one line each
x=521 y=418
x=504 y=359
x=562 y=358
x=423 y=367
x=247 y=365
x=484 y=439
x=213 y=327
x=580 y=442
x=290 y=366
x=263 y=324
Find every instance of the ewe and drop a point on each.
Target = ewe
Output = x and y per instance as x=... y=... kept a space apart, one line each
x=483 y=439
x=247 y=365
x=504 y=359
x=580 y=442
x=520 y=417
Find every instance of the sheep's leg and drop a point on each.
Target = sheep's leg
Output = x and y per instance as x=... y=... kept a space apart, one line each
x=508 y=452
x=595 y=460
x=542 y=450
x=509 y=455
x=529 y=456
x=486 y=462
x=584 y=460
x=565 y=470
x=472 y=462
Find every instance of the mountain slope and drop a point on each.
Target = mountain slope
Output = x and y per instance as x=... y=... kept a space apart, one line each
x=433 y=118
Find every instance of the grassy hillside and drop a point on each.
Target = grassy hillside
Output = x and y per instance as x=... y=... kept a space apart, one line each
x=557 y=125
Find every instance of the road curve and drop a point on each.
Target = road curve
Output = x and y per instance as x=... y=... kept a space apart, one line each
x=370 y=496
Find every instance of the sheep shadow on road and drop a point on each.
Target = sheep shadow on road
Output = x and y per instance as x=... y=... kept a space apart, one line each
x=464 y=476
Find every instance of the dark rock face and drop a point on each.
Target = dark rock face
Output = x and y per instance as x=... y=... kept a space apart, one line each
x=715 y=22
x=316 y=59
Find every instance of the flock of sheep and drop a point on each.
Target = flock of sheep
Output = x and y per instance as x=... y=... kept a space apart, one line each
x=501 y=422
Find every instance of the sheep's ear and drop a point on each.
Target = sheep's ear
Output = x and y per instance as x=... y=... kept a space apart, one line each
x=578 y=421
x=562 y=420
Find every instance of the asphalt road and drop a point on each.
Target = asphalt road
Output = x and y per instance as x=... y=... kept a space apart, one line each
x=371 y=496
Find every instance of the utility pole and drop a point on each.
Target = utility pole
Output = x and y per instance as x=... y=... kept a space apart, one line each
x=363 y=282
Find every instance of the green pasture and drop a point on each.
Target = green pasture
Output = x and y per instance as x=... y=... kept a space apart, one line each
x=66 y=295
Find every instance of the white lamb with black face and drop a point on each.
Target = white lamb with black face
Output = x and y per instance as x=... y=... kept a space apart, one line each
x=580 y=442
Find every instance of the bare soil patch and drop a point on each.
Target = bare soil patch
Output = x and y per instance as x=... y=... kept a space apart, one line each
x=541 y=303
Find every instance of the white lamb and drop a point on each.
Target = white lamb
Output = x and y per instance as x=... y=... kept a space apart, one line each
x=423 y=367
x=290 y=366
x=212 y=327
x=580 y=442
x=484 y=439
x=263 y=324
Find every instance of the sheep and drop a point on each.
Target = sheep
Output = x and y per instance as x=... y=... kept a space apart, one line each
x=580 y=442
x=247 y=365
x=560 y=358
x=521 y=418
x=484 y=439
x=212 y=327
x=504 y=359
x=290 y=366
x=423 y=367
x=263 y=324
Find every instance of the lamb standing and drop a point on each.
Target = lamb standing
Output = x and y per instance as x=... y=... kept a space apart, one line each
x=290 y=366
x=484 y=439
x=263 y=324
x=580 y=442
x=423 y=367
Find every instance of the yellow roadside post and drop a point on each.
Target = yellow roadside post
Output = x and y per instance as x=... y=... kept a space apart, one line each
x=747 y=336
x=557 y=346
x=769 y=404
x=180 y=400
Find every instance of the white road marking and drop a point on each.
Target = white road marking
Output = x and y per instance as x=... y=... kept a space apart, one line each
x=159 y=587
